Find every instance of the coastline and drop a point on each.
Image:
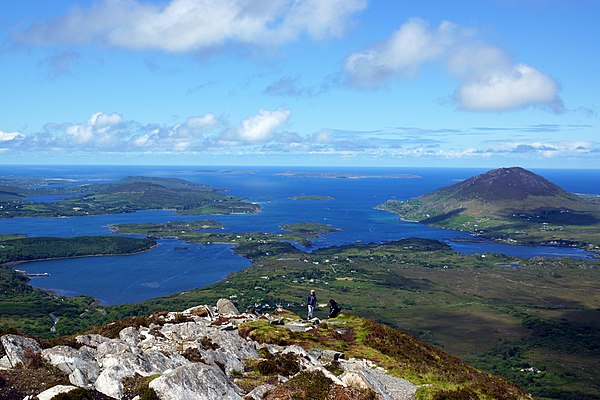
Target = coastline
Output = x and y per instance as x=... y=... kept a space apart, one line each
x=13 y=263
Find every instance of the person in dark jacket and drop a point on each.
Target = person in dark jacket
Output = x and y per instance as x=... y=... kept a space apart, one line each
x=312 y=303
x=334 y=308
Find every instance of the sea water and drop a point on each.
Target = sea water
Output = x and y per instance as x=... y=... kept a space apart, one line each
x=165 y=270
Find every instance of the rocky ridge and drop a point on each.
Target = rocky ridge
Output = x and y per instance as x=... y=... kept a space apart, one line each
x=198 y=354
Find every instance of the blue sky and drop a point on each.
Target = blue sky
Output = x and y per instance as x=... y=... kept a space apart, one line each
x=483 y=83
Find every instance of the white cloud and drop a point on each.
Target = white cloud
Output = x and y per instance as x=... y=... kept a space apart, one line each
x=402 y=54
x=489 y=79
x=260 y=127
x=510 y=89
x=189 y=25
x=189 y=135
x=9 y=136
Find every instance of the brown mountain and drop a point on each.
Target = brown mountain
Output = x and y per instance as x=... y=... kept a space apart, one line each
x=502 y=184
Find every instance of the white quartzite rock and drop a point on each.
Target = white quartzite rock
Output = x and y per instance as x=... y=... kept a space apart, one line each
x=231 y=349
x=92 y=340
x=386 y=387
x=16 y=347
x=110 y=380
x=195 y=382
x=80 y=364
x=48 y=394
x=258 y=393
x=130 y=335
x=119 y=359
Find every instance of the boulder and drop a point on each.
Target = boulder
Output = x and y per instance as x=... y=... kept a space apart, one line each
x=92 y=340
x=80 y=364
x=195 y=382
x=304 y=358
x=130 y=335
x=48 y=394
x=200 y=311
x=387 y=387
x=110 y=380
x=226 y=348
x=226 y=307
x=258 y=393
x=18 y=349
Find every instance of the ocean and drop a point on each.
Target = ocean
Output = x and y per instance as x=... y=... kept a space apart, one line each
x=165 y=270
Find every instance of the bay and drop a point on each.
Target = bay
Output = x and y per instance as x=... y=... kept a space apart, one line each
x=162 y=271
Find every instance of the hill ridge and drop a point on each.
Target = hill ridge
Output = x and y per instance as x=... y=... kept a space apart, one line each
x=210 y=352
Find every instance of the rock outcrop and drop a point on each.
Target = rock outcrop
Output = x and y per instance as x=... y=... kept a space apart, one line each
x=19 y=350
x=195 y=355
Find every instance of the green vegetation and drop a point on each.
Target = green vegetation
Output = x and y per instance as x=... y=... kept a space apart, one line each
x=127 y=195
x=309 y=228
x=20 y=249
x=189 y=231
x=311 y=198
x=512 y=205
x=401 y=354
x=167 y=229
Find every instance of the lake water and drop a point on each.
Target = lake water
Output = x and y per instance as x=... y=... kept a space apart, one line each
x=165 y=270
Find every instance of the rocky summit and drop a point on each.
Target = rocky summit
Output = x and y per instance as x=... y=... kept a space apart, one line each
x=207 y=353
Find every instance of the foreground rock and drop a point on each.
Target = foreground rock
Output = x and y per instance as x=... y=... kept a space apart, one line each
x=197 y=355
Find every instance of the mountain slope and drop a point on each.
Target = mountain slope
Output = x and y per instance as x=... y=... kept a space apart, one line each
x=512 y=204
x=216 y=352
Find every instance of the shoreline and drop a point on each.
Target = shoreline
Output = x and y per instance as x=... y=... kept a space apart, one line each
x=13 y=263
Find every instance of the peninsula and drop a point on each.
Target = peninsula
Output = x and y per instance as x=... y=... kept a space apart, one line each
x=126 y=195
x=513 y=205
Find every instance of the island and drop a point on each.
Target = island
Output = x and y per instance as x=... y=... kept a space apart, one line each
x=191 y=232
x=512 y=205
x=126 y=195
x=311 y=198
x=346 y=175
x=166 y=229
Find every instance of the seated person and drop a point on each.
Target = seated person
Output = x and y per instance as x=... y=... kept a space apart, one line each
x=334 y=309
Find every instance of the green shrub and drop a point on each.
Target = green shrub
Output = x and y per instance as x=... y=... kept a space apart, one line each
x=75 y=394
x=279 y=364
x=311 y=385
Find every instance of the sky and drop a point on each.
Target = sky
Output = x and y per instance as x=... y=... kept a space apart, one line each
x=386 y=83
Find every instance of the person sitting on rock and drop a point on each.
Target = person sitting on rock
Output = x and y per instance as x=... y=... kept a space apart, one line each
x=334 y=308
